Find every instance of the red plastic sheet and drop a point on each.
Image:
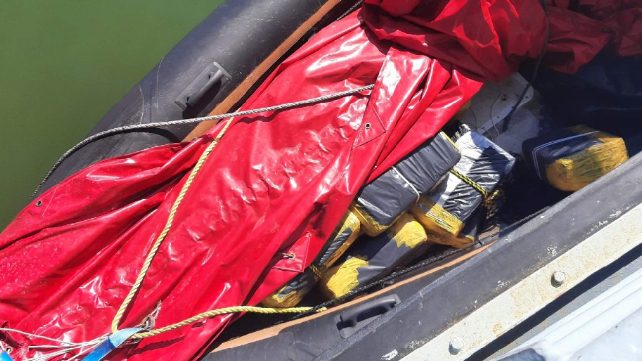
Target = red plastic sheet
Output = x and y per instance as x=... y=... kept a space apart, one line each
x=617 y=22
x=574 y=40
x=276 y=183
x=627 y=24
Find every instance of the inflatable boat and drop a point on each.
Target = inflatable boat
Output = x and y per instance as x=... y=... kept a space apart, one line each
x=478 y=176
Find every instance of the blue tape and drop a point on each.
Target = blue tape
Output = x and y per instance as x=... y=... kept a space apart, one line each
x=4 y=356
x=110 y=344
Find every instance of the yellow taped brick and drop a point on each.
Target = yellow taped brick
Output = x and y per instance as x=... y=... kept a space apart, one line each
x=368 y=225
x=573 y=172
x=406 y=231
x=339 y=280
x=402 y=242
x=435 y=218
x=461 y=241
x=293 y=292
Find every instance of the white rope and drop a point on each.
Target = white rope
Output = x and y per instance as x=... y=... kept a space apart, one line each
x=492 y=116
x=64 y=347
x=37 y=336
x=48 y=356
x=83 y=348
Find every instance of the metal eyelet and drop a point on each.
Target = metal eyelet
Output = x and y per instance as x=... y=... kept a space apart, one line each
x=368 y=126
x=39 y=203
x=289 y=255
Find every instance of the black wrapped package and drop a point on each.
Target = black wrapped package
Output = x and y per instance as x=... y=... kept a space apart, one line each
x=293 y=292
x=466 y=237
x=446 y=209
x=569 y=159
x=372 y=258
x=381 y=202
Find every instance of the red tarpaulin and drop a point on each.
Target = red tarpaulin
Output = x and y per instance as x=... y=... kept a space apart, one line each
x=617 y=20
x=276 y=183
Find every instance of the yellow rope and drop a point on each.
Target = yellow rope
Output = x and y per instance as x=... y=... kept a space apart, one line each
x=156 y=247
x=470 y=182
x=316 y=271
x=168 y=225
x=489 y=198
x=152 y=252
x=221 y=311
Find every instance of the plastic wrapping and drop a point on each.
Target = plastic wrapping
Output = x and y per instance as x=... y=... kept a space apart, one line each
x=373 y=258
x=466 y=237
x=571 y=158
x=494 y=102
x=293 y=292
x=446 y=209
x=381 y=202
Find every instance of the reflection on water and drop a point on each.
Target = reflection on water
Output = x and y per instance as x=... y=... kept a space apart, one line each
x=63 y=64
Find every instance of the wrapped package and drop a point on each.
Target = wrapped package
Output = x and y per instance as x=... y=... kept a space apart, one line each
x=381 y=202
x=375 y=257
x=466 y=237
x=568 y=159
x=446 y=209
x=293 y=292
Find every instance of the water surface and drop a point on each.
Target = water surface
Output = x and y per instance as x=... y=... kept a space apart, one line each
x=63 y=64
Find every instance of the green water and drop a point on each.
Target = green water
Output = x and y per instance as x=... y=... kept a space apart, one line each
x=63 y=64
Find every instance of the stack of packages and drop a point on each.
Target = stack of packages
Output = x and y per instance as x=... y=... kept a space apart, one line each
x=377 y=206
x=381 y=202
x=374 y=257
x=397 y=238
x=417 y=202
x=569 y=159
x=450 y=212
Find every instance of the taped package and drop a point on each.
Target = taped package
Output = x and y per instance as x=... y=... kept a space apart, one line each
x=293 y=292
x=568 y=159
x=381 y=202
x=445 y=210
x=466 y=237
x=375 y=257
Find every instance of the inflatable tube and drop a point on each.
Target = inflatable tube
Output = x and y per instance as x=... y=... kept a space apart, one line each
x=210 y=70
